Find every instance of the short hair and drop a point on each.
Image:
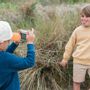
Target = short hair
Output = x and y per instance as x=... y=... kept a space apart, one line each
x=86 y=11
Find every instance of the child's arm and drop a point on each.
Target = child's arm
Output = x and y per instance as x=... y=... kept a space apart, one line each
x=16 y=40
x=69 y=49
x=12 y=47
x=70 y=46
x=15 y=63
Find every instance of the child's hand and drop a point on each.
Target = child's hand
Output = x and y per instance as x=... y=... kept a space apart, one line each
x=63 y=63
x=16 y=38
x=30 y=37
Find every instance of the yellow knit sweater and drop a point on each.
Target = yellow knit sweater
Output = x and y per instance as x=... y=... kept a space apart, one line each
x=79 y=46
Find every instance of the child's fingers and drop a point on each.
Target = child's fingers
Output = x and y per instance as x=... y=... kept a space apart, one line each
x=32 y=30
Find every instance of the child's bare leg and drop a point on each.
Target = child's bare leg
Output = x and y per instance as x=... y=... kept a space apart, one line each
x=76 y=86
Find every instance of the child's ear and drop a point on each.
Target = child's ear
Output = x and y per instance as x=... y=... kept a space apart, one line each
x=1 y=43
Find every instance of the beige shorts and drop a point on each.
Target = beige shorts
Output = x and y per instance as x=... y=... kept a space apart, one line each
x=79 y=72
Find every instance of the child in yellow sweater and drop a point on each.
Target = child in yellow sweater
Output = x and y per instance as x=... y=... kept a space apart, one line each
x=79 y=47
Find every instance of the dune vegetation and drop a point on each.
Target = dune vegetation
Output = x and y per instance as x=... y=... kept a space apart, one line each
x=53 y=21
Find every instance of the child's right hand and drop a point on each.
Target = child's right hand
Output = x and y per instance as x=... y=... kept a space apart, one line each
x=63 y=63
x=30 y=37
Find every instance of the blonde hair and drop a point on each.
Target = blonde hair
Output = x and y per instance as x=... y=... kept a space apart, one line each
x=86 y=10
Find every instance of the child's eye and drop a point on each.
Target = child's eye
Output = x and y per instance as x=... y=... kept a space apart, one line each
x=87 y=15
x=82 y=15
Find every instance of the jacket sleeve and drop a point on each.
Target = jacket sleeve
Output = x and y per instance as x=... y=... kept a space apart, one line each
x=70 y=46
x=11 y=48
x=16 y=63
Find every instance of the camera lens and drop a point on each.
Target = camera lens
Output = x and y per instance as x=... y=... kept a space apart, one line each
x=23 y=35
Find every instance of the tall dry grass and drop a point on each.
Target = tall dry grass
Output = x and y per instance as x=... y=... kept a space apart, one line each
x=43 y=77
x=51 y=37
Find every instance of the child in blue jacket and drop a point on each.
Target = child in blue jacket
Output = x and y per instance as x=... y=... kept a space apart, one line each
x=10 y=64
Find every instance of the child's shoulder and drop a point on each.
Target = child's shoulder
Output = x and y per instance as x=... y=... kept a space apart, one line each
x=80 y=28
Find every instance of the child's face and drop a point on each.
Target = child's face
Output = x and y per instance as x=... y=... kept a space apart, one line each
x=4 y=45
x=85 y=21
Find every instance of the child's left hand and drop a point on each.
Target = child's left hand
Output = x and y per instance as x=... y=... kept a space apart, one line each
x=16 y=38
